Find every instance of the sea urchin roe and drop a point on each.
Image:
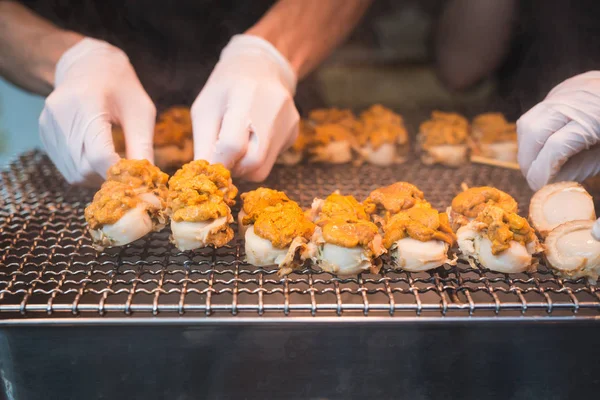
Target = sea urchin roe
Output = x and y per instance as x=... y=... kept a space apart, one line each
x=173 y=127
x=349 y=232
x=328 y=133
x=200 y=192
x=282 y=223
x=393 y=198
x=331 y=115
x=418 y=223
x=215 y=173
x=110 y=203
x=257 y=200
x=380 y=126
x=137 y=173
x=503 y=227
x=339 y=205
x=493 y=128
x=473 y=200
x=444 y=129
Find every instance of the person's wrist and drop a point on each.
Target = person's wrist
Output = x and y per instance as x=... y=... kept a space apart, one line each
x=57 y=44
x=248 y=43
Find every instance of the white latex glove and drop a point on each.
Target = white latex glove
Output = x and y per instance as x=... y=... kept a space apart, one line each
x=245 y=114
x=559 y=137
x=95 y=85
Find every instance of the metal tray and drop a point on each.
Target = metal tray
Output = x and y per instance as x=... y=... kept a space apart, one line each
x=148 y=321
x=49 y=269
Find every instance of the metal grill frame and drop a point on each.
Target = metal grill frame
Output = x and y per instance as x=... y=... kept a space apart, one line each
x=50 y=273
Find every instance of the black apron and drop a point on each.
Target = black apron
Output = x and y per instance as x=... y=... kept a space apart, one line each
x=173 y=45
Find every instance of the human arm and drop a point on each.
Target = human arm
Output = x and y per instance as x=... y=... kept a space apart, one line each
x=245 y=115
x=91 y=84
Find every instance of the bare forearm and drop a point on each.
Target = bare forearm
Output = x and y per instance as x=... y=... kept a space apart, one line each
x=30 y=47
x=306 y=31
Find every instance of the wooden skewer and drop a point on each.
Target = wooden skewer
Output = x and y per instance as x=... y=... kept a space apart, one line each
x=494 y=163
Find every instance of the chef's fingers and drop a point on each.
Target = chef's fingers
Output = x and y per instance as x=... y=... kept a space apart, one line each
x=558 y=148
x=137 y=117
x=98 y=147
x=207 y=114
x=236 y=129
x=581 y=166
x=533 y=129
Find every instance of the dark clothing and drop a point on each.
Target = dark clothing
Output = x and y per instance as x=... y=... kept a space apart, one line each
x=554 y=40
x=173 y=45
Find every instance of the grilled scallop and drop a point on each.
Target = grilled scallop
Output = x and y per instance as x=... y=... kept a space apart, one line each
x=419 y=238
x=280 y=236
x=572 y=251
x=129 y=205
x=382 y=138
x=254 y=202
x=499 y=241
x=494 y=137
x=558 y=203
x=294 y=154
x=467 y=205
x=200 y=195
x=443 y=139
x=347 y=241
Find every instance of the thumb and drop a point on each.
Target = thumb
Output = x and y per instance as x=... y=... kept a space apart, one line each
x=596 y=230
x=137 y=117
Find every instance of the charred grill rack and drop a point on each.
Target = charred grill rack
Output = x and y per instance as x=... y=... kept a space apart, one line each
x=48 y=267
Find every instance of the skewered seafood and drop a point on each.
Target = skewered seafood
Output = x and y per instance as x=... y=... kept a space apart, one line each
x=443 y=139
x=418 y=238
x=494 y=137
x=280 y=236
x=254 y=202
x=572 y=251
x=129 y=205
x=467 y=205
x=200 y=195
x=382 y=139
x=558 y=203
x=348 y=243
x=499 y=240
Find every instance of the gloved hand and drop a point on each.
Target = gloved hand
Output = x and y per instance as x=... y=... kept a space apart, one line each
x=558 y=138
x=245 y=114
x=95 y=85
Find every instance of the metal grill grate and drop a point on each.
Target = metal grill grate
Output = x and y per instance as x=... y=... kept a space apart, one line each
x=48 y=267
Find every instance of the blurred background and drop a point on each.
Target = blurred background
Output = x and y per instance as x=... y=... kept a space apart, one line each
x=389 y=59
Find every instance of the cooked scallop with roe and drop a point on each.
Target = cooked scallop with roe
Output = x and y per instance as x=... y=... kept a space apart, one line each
x=294 y=154
x=558 y=203
x=348 y=242
x=499 y=240
x=572 y=251
x=382 y=138
x=254 y=202
x=467 y=205
x=280 y=236
x=392 y=199
x=332 y=135
x=200 y=196
x=494 y=137
x=443 y=139
x=418 y=238
x=129 y=205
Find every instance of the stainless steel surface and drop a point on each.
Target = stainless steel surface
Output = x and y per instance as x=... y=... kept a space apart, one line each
x=49 y=269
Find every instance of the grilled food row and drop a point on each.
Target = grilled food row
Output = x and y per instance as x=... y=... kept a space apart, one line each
x=342 y=235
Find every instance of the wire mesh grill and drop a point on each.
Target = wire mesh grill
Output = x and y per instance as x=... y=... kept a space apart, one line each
x=48 y=267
